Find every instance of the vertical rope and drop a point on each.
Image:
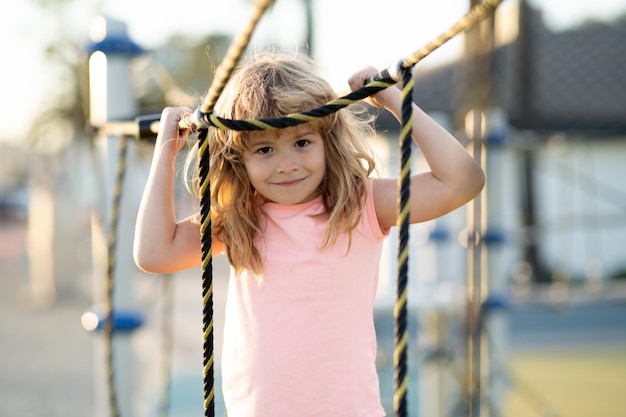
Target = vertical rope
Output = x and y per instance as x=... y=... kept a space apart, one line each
x=111 y=257
x=401 y=335
x=217 y=86
x=207 y=275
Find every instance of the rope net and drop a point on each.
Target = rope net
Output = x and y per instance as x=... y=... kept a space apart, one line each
x=203 y=118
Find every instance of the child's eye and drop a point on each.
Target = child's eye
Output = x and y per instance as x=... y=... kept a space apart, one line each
x=301 y=143
x=264 y=150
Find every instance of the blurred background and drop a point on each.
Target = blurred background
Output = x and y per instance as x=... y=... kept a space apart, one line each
x=517 y=301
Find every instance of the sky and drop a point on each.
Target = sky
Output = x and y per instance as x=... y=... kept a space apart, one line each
x=349 y=34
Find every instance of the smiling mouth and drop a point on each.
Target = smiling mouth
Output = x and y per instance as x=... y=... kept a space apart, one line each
x=289 y=182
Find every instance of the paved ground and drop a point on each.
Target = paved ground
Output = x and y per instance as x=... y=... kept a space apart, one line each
x=46 y=357
x=50 y=366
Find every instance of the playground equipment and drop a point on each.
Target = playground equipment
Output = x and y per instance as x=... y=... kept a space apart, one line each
x=112 y=59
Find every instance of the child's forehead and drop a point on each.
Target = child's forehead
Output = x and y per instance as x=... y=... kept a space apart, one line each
x=275 y=134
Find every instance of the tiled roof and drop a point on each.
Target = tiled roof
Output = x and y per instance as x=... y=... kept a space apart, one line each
x=573 y=81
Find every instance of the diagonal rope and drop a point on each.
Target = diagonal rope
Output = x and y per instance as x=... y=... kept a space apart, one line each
x=470 y=19
x=234 y=53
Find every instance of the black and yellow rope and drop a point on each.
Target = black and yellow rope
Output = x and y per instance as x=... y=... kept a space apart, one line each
x=379 y=82
x=217 y=86
x=401 y=334
x=207 y=277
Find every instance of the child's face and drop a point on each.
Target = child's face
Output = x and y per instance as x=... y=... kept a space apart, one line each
x=287 y=168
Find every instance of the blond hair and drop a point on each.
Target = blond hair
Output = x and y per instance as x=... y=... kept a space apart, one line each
x=271 y=85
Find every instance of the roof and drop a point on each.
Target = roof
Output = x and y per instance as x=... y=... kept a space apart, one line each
x=573 y=81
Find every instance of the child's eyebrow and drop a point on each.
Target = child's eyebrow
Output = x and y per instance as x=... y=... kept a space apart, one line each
x=261 y=138
x=254 y=146
x=306 y=132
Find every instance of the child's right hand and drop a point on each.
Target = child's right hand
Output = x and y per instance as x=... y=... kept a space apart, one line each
x=162 y=243
x=169 y=131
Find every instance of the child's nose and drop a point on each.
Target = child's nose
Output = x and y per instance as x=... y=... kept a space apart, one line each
x=287 y=163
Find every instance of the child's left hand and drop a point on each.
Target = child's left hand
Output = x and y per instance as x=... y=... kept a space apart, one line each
x=382 y=99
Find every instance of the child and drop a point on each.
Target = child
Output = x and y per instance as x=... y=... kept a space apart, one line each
x=302 y=224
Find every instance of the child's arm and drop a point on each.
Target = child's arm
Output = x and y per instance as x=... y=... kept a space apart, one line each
x=163 y=244
x=454 y=177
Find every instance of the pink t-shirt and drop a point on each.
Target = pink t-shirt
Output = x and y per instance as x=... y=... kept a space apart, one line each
x=300 y=340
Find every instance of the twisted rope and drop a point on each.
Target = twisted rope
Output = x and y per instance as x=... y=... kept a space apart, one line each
x=217 y=86
x=401 y=334
x=207 y=277
x=234 y=53
x=470 y=19
x=109 y=282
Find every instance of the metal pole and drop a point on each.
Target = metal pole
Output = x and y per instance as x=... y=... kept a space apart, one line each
x=310 y=31
x=475 y=288
x=525 y=120
x=111 y=98
x=479 y=45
